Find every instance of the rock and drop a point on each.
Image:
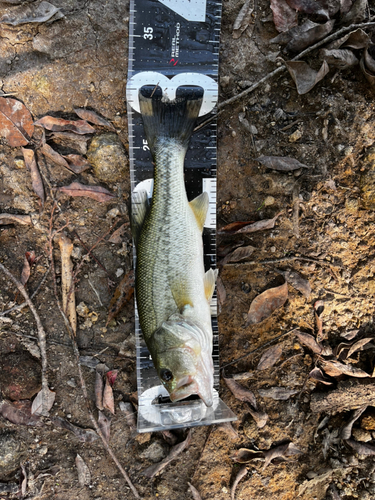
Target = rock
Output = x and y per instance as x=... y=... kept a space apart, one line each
x=368 y=181
x=361 y=435
x=368 y=420
x=155 y=452
x=20 y=376
x=107 y=156
x=10 y=453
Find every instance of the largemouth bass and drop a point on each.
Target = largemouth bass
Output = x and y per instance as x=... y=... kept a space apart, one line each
x=173 y=290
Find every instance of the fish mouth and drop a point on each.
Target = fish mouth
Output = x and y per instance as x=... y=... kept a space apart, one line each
x=188 y=386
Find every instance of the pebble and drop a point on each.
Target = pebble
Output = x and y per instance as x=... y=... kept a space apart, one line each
x=361 y=435
x=368 y=181
x=20 y=375
x=107 y=156
x=155 y=452
x=295 y=136
x=10 y=453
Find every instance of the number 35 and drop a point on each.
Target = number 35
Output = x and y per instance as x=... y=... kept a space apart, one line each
x=148 y=33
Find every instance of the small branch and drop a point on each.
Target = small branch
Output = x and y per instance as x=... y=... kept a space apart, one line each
x=349 y=395
x=281 y=69
x=41 y=331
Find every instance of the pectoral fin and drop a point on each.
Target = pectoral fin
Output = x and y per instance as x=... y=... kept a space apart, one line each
x=181 y=298
x=139 y=211
x=209 y=283
x=200 y=206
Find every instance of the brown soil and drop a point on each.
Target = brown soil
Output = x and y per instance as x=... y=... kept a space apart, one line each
x=326 y=233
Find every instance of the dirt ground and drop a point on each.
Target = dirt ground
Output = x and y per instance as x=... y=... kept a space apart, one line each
x=325 y=232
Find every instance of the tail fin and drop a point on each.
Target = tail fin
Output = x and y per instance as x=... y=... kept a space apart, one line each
x=164 y=119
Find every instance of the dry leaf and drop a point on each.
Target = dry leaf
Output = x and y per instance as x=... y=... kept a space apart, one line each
x=97 y=193
x=240 y=475
x=130 y=414
x=27 y=263
x=151 y=471
x=67 y=282
x=359 y=345
x=84 y=435
x=123 y=294
x=54 y=156
x=266 y=303
x=223 y=250
x=308 y=35
x=281 y=163
x=318 y=309
x=41 y=13
x=284 y=17
x=305 y=77
x=18 y=416
x=349 y=335
x=43 y=402
x=297 y=282
x=318 y=375
x=361 y=448
x=238 y=255
x=246 y=395
x=92 y=117
x=357 y=39
x=36 y=178
x=335 y=369
x=116 y=236
x=309 y=341
x=339 y=58
x=283 y=451
x=77 y=163
x=71 y=140
x=309 y=7
x=104 y=425
x=194 y=492
x=244 y=455
x=16 y=123
x=277 y=393
x=346 y=431
x=108 y=400
x=259 y=226
x=369 y=60
x=232 y=228
x=14 y=218
x=221 y=292
x=169 y=437
x=54 y=124
x=227 y=427
x=293 y=33
x=99 y=386
x=84 y=476
x=243 y=19
x=24 y=481
x=356 y=14
x=369 y=76
x=270 y=357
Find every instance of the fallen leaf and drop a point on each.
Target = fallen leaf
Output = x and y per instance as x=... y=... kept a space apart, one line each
x=77 y=163
x=297 y=282
x=54 y=156
x=282 y=163
x=246 y=395
x=306 y=37
x=43 y=402
x=151 y=471
x=108 y=400
x=240 y=475
x=84 y=476
x=54 y=124
x=346 y=431
x=339 y=58
x=67 y=281
x=266 y=303
x=89 y=361
x=24 y=481
x=370 y=77
x=277 y=393
x=349 y=335
x=99 y=386
x=116 y=236
x=169 y=437
x=361 y=448
x=359 y=345
x=29 y=260
x=243 y=18
x=232 y=228
x=356 y=14
x=318 y=310
x=259 y=226
x=71 y=140
x=369 y=60
x=227 y=427
x=221 y=292
x=341 y=351
x=238 y=255
x=14 y=218
x=270 y=357
x=104 y=425
x=194 y=492
x=296 y=31
x=309 y=341
x=32 y=14
x=32 y=167
x=244 y=455
x=284 y=17
x=97 y=193
x=282 y=451
x=335 y=369
x=357 y=39
x=16 y=123
x=309 y=7
x=223 y=250
x=92 y=117
x=18 y=416
x=84 y=435
x=130 y=414
x=123 y=294
x=318 y=375
x=305 y=77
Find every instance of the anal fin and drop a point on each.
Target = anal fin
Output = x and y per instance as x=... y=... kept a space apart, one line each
x=138 y=212
x=199 y=207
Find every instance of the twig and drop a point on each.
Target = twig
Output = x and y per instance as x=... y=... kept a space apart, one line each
x=41 y=331
x=283 y=259
x=18 y=307
x=257 y=349
x=281 y=69
x=295 y=217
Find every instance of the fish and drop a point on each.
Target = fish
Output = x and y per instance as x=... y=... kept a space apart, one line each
x=173 y=290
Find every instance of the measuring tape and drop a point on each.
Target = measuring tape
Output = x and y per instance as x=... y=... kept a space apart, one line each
x=175 y=43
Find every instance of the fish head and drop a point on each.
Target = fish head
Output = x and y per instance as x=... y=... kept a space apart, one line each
x=183 y=361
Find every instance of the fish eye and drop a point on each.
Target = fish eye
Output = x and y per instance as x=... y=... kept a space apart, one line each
x=166 y=375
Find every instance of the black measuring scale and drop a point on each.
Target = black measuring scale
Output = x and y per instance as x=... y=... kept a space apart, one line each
x=172 y=44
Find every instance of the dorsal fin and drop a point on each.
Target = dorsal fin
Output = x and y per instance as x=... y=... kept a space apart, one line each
x=200 y=206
